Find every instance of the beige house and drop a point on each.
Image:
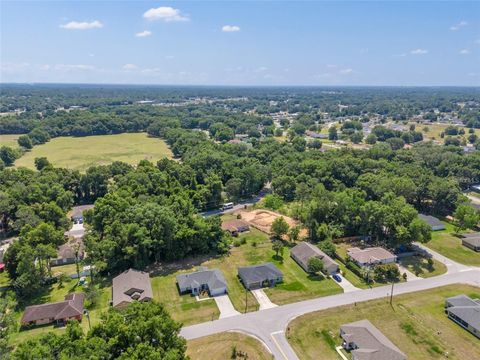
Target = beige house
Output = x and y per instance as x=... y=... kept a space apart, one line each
x=131 y=285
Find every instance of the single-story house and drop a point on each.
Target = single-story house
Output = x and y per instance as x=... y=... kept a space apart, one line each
x=366 y=342
x=434 y=223
x=59 y=312
x=371 y=256
x=66 y=252
x=204 y=279
x=131 y=285
x=465 y=311
x=258 y=276
x=304 y=251
x=472 y=241
x=235 y=226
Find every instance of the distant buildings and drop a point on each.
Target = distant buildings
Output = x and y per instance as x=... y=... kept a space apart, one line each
x=259 y=276
x=211 y=281
x=465 y=312
x=304 y=251
x=131 y=285
x=366 y=342
x=371 y=256
x=58 y=312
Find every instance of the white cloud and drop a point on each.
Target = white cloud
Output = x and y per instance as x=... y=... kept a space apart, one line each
x=346 y=71
x=230 y=28
x=464 y=52
x=477 y=41
x=165 y=13
x=76 y=25
x=130 y=67
x=74 y=67
x=458 y=26
x=419 y=52
x=261 y=69
x=144 y=33
x=331 y=66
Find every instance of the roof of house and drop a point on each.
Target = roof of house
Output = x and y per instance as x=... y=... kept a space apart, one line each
x=256 y=273
x=431 y=220
x=72 y=306
x=131 y=285
x=67 y=250
x=367 y=255
x=234 y=225
x=211 y=277
x=372 y=344
x=474 y=241
x=304 y=251
x=471 y=235
x=466 y=309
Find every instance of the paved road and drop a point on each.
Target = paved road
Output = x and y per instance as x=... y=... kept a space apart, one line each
x=270 y=325
x=451 y=265
x=474 y=199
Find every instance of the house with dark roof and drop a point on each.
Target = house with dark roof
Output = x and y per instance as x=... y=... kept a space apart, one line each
x=209 y=280
x=131 y=285
x=304 y=251
x=465 y=311
x=259 y=276
x=434 y=223
x=366 y=342
x=371 y=256
x=59 y=312
x=235 y=226
x=472 y=241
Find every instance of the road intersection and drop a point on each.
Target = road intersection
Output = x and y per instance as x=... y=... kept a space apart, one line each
x=270 y=325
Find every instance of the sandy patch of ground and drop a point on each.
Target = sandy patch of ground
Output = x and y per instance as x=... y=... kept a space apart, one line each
x=262 y=219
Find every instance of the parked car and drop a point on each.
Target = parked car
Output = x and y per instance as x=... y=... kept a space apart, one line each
x=337 y=277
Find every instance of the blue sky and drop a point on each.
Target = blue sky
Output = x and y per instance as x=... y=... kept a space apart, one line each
x=241 y=43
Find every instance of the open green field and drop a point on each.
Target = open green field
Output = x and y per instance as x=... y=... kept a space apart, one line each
x=446 y=243
x=9 y=140
x=416 y=323
x=219 y=347
x=79 y=153
x=434 y=131
x=419 y=266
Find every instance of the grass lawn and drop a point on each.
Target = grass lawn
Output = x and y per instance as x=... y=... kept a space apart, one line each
x=219 y=347
x=434 y=131
x=449 y=245
x=79 y=153
x=416 y=324
x=419 y=266
x=9 y=140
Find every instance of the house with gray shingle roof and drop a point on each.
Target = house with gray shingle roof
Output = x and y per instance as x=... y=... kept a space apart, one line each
x=434 y=223
x=258 y=276
x=210 y=280
x=304 y=251
x=371 y=256
x=472 y=241
x=131 y=285
x=366 y=342
x=465 y=311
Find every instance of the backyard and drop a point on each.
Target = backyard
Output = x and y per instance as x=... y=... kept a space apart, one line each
x=221 y=346
x=79 y=153
x=448 y=244
x=416 y=323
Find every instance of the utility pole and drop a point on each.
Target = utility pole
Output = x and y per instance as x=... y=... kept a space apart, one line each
x=391 y=293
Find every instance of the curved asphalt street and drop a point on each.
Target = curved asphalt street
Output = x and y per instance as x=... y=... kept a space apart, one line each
x=269 y=325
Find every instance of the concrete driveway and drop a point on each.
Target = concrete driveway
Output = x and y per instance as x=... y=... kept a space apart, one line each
x=410 y=276
x=346 y=285
x=263 y=299
x=225 y=306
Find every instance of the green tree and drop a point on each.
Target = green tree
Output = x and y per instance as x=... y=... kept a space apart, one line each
x=466 y=217
x=7 y=155
x=25 y=142
x=278 y=247
x=315 y=265
x=279 y=227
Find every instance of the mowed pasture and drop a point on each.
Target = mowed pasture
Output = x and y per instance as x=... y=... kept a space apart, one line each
x=79 y=153
x=416 y=323
x=9 y=140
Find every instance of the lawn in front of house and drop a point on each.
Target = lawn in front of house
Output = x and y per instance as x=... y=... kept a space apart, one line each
x=416 y=324
x=221 y=346
x=420 y=267
x=447 y=243
x=80 y=153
